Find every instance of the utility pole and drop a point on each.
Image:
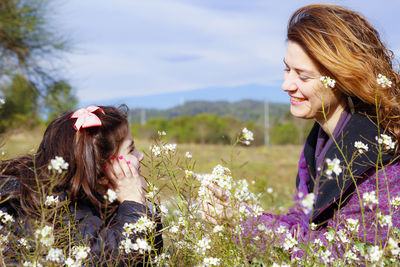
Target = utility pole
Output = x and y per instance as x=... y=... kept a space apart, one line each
x=266 y=123
x=142 y=116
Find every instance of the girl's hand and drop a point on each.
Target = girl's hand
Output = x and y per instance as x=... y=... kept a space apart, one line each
x=125 y=173
x=219 y=208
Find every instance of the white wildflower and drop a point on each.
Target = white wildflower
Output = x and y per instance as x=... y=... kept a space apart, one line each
x=374 y=254
x=352 y=225
x=370 y=199
x=318 y=242
x=188 y=155
x=5 y=217
x=80 y=252
x=151 y=191
x=361 y=146
x=333 y=167
x=142 y=225
x=290 y=242
x=343 y=236
x=218 y=228
x=327 y=82
x=210 y=261
x=174 y=229
x=330 y=236
x=386 y=140
x=32 y=264
x=156 y=150
x=161 y=133
x=126 y=245
x=281 y=229
x=270 y=190
x=55 y=255
x=141 y=245
x=2 y=101
x=69 y=262
x=308 y=201
x=384 y=220
x=202 y=245
x=325 y=256
x=58 y=164
x=393 y=246
x=395 y=202
x=23 y=242
x=313 y=226
x=45 y=235
x=350 y=256
x=383 y=81
x=51 y=201
x=169 y=148
x=188 y=173
x=247 y=136
x=110 y=196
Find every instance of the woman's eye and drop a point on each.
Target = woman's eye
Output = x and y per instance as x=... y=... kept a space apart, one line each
x=303 y=78
x=131 y=150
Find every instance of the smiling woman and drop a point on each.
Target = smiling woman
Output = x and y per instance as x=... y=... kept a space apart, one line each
x=339 y=73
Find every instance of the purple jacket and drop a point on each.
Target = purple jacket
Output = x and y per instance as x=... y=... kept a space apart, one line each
x=338 y=197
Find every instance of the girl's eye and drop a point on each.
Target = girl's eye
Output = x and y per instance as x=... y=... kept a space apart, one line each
x=131 y=150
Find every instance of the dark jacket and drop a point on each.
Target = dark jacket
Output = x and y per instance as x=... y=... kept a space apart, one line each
x=103 y=236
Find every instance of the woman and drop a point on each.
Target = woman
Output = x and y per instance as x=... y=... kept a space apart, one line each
x=339 y=73
x=87 y=158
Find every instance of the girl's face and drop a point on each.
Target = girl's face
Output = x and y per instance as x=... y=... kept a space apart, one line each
x=308 y=96
x=128 y=147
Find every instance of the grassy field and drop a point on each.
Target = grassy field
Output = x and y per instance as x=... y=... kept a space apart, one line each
x=273 y=167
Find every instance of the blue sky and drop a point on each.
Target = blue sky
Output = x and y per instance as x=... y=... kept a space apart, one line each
x=128 y=48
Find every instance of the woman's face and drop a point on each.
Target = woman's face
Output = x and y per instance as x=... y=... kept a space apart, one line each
x=307 y=94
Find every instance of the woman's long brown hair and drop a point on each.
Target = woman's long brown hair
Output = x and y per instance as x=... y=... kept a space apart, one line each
x=86 y=151
x=347 y=48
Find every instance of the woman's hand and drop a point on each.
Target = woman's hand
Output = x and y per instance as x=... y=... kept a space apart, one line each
x=125 y=173
x=220 y=207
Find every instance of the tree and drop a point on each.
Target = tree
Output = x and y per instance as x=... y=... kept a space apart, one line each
x=59 y=99
x=21 y=105
x=27 y=41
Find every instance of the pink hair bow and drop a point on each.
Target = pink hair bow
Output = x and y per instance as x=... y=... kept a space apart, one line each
x=86 y=118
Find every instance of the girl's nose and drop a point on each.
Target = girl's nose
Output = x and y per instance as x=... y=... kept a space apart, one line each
x=140 y=156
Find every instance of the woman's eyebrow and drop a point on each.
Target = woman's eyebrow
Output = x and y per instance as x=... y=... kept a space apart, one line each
x=301 y=70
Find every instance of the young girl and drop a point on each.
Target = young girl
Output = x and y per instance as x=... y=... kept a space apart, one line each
x=83 y=156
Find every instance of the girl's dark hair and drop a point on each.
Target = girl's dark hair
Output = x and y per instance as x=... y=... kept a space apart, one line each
x=87 y=151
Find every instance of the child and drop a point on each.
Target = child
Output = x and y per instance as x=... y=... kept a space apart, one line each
x=87 y=157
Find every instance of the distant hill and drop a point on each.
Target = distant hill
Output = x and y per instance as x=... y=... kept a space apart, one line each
x=244 y=110
x=271 y=93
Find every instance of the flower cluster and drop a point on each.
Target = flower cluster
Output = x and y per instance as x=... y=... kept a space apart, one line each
x=144 y=224
x=110 y=195
x=79 y=254
x=2 y=101
x=55 y=255
x=188 y=155
x=327 y=82
x=58 y=164
x=246 y=136
x=167 y=149
x=333 y=167
x=370 y=199
x=361 y=146
x=161 y=133
x=308 y=202
x=51 y=201
x=383 y=81
x=5 y=217
x=140 y=245
x=386 y=140
x=45 y=235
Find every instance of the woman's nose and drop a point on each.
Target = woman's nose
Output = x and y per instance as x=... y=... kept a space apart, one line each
x=140 y=156
x=288 y=84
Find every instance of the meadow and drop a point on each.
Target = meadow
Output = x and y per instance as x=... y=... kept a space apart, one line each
x=258 y=179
